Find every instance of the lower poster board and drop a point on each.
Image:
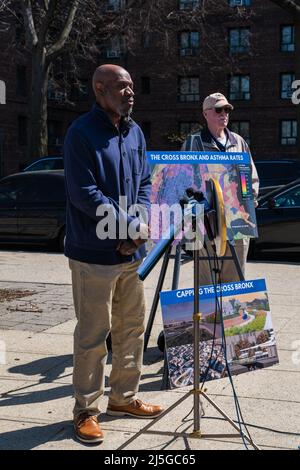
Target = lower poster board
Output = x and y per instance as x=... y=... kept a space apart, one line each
x=248 y=341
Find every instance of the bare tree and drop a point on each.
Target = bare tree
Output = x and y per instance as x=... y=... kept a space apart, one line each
x=292 y=6
x=71 y=31
x=68 y=31
x=46 y=37
x=42 y=55
x=3 y=4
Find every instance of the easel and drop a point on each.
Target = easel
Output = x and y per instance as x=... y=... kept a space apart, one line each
x=197 y=391
x=175 y=279
x=175 y=284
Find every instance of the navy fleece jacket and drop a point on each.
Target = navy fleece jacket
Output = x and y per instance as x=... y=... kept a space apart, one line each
x=101 y=164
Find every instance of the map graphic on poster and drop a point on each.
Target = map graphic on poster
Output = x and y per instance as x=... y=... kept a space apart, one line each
x=169 y=183
x=250 y=339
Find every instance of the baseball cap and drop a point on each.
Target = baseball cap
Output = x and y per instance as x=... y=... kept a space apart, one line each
x=215 y=100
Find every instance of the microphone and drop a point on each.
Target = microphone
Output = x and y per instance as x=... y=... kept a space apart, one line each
x=190 y=192
x=183 y=202
x=198 y=195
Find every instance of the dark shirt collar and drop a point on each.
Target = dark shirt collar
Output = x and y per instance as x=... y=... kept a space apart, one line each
x=125 y=123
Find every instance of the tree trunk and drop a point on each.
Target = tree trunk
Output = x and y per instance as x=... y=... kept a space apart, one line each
x=38 y=132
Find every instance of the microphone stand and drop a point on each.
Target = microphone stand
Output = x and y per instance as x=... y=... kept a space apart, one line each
x=196 y=391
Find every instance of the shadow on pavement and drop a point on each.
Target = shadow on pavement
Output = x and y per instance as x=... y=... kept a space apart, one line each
x=50 y=368
x=24 y=396
x=29 y=438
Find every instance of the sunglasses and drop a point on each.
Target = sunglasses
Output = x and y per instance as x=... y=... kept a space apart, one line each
x=226 y=109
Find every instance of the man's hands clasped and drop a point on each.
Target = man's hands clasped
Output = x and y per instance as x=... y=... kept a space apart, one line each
x=128 y=247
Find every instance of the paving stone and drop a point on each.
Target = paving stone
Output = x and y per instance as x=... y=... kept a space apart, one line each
x=37 y=412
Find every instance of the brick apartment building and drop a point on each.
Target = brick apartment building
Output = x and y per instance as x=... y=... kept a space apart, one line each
x=249 y=57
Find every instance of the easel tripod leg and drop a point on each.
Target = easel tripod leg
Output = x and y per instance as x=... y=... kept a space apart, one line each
x=230 y=421
x=175 y=282
x=196 y=321
x=236 y=261
x=154 y=306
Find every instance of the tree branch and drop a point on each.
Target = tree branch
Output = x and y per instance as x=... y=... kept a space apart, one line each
x=289 y=5
x=59 y=44
x=30 y=30
x=2 y=4
x=50 y=6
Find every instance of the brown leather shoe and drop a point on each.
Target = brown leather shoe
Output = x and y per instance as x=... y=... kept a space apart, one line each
x=137 y=408
x=87 y=429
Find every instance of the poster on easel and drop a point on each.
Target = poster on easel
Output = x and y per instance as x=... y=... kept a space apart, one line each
x=170 y=181
x=248 y=342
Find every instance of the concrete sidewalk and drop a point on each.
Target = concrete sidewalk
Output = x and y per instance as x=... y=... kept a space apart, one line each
x=35 y=383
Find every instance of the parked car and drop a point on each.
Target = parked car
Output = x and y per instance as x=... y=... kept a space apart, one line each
x=33 y=208
x=275 y=173
x=278 y=219
x=46 y=163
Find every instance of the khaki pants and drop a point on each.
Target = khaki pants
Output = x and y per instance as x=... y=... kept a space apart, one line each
x=107 y=298
x=228 y=269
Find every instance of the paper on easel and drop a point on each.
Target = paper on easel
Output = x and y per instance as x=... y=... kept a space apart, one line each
x=250 y=340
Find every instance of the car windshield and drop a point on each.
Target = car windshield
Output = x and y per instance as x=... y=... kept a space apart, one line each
x=276 y=173
x=290 y=198
x=46 y=164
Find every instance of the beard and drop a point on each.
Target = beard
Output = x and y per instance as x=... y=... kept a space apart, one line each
x=126 y=113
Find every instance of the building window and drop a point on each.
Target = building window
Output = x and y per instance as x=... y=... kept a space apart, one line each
x=80 y=91
x=242 y=128
x=147 y=40
x=55 y=133
x=188 y=127
x=287 y=38
x=56 y=93
x=286 y=80
x=146 y=128
x=22 y=130
x=240 y=3
x=189 y=4
x=239 y=87
x=189 y=89
x=21 y=81
x=113 y=48
x=115 y=5
x=145 y=86
x=189 y=43
x=288 y=134
x=239 y=40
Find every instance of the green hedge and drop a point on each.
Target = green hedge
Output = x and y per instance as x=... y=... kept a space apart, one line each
x=256 y=325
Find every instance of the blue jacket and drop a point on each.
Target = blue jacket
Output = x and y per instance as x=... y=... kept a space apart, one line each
x=101 y=164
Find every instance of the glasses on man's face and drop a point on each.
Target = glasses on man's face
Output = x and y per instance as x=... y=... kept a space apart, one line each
x=226 y=109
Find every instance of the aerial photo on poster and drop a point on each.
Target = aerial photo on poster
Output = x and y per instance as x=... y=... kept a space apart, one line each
x=169 y=183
